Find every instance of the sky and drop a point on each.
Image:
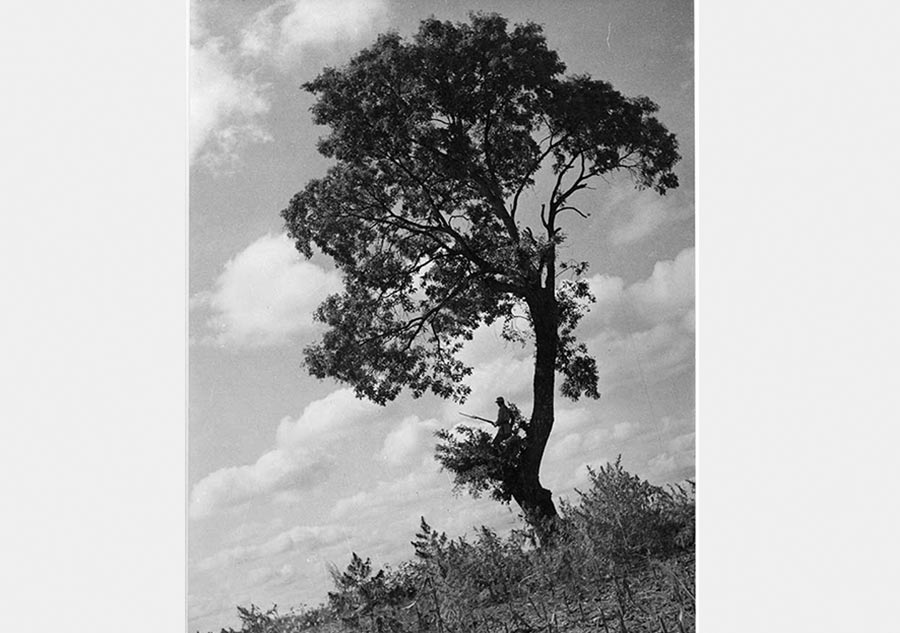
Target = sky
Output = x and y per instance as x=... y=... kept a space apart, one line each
x=287 y=473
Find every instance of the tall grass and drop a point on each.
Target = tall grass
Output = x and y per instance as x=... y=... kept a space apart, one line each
x=621 y=560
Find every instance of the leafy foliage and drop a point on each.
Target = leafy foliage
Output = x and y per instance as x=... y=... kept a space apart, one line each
x=435 y=140
x=255 y=620
x=360 y=594
x=478 y=464
x=626 y=519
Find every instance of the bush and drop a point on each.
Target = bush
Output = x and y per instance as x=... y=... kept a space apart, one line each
x=628 y=520
x=255 y=620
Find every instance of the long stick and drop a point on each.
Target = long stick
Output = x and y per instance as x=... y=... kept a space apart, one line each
x=476 y=417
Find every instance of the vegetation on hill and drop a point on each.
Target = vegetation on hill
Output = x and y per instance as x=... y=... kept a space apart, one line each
x=621 y=560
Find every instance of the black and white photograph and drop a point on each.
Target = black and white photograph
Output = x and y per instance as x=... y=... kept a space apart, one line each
x=394 y=316
x=441 y=354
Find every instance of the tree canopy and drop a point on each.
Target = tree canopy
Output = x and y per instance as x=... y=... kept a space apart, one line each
x=435 y=140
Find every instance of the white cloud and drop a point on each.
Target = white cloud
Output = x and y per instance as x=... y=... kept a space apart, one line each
x=502 y=376
x=265 y=295
x=647 y=356
x=299 y=460
x=267 y=575
x=569 y=419
x=623 y=430
x=668 y=293
x=643 y=212
x=320 y=22
x=345 y=506
x=323 y=420
x=563 y=479
x=226 y=105
x=412 y=439
x=390 y=496
x=487 y=344
x=609 y=293
x=228 y=102
x=204 y=606
x=683 y=442
x=580 y=436
x=275 y=470
x=564 y=449
x=644 y=219
x=247 y=530
x=674 y=465
x=305 y=537
x=643 y=331
x=286 y=29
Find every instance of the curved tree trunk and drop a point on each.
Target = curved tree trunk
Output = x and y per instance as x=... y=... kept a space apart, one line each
x=535 y=500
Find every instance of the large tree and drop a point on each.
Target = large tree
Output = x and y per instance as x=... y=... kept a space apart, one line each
x=435 y=141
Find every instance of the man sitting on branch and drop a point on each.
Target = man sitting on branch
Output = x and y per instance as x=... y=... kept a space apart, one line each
x=503 y=423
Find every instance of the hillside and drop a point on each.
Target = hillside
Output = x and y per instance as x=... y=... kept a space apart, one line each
x=621 y=560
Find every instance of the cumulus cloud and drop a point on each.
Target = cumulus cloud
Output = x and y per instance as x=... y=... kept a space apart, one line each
x=647 y=356
x=200 y=607
x=643 y=331
x=228 y=101
x=389 y=496
x=623 y=430
x=641 y=213
x=275 y=470
x=299 y=460
x=305 y=537
x=564 y=479
x=247 y=530
x=269 y=575
x=661 y=449
x=579 y=437
x=609 y=293
x=226 y=105
x=668 y=293
x=502 y=376
x=675 y=463
x=265 y=295
x=565 y=448
x=412 y=439
x=570 y=419
x=324 y=420
x=286 y=29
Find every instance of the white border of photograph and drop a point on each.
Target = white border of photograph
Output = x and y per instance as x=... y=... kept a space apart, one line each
x=797 y=314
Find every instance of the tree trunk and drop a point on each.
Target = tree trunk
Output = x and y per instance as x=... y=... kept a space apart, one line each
x=535 y=500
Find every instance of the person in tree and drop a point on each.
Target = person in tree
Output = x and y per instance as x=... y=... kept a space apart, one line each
x=503 y=423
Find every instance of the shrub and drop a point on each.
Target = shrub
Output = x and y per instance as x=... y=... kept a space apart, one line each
x=627 y=519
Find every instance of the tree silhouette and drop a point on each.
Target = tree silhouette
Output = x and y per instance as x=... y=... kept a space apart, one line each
x=435 y=140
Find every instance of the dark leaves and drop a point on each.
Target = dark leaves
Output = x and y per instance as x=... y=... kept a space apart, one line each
x=434 y=141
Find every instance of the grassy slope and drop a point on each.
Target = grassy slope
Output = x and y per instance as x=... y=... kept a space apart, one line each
x=622 y=561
